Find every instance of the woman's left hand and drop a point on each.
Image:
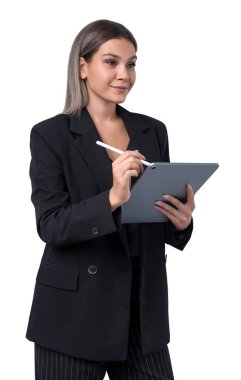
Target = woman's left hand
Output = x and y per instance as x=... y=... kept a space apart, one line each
x=181 y=214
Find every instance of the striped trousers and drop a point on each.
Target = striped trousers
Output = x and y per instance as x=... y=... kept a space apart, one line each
x=53 y=365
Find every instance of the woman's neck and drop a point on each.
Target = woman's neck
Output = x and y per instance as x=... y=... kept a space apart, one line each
x=102 y=113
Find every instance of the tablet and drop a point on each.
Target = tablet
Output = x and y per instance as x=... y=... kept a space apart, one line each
x=163 y=178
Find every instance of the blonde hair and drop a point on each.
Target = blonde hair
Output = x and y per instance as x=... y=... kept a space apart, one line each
x=85 y=45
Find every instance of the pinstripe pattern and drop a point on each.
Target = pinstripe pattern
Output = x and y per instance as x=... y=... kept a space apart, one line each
x=52 y=365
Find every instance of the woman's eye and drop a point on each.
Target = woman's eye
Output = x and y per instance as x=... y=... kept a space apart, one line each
x=111 y=62
x=131 y=64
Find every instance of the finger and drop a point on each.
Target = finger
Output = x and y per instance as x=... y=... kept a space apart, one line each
x=190 y=197
x=180 y=220
x=169 y=215
x=130 y=173
x=167 y=208
x=178 y=204
x=122 y=168
x=136 y=154
x=133 y=164
x=129 y=163
x=129 y=153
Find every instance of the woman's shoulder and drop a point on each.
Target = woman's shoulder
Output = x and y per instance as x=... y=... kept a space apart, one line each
x=51 y=133
x=150 y=120
x=53 y=124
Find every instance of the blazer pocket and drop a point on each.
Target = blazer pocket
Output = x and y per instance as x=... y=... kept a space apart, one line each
x=58 y=276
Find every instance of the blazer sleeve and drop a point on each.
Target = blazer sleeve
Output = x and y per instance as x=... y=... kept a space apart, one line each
x=173 y=237
x=58 y=221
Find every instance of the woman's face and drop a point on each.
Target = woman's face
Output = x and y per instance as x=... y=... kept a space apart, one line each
x=110 y=74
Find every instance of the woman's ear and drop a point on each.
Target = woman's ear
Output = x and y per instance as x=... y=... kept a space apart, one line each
x=82 y=68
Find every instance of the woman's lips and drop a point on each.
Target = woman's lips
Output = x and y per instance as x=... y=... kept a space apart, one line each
x=120 y=88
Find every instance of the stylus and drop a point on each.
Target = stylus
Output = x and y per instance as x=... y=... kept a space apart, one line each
x=119 y=151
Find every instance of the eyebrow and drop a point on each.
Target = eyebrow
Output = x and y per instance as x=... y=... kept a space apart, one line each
x=117 y=56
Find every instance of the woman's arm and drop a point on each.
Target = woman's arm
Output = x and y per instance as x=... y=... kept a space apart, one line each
x=58 y=221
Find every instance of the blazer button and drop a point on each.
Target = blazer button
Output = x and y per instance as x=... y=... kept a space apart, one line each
x=92 y=269
x=95 y=231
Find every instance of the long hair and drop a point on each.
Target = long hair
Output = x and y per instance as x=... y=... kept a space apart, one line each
x=85 y=45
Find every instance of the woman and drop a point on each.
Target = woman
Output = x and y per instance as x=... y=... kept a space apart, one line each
x=100 y=301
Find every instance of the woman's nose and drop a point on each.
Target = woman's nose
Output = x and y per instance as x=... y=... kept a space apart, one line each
x=122 y=72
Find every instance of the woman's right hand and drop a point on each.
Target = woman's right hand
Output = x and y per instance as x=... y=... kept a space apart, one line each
x=127 y=165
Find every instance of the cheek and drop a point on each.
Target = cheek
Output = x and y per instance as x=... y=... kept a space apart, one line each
x=96 y=74
x=133 y=79
x=103 y=77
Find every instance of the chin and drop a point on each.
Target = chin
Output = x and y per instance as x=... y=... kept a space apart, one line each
x=116 y=99
x=119 y=99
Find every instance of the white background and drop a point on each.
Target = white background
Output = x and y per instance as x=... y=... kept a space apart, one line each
x=188 y=76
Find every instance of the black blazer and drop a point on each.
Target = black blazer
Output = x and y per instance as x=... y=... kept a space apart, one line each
x=81 y=303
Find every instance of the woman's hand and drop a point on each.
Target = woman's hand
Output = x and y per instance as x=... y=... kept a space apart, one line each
x=181 y=214
x=124 y=167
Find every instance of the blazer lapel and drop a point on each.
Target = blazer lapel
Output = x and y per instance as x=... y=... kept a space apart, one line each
x=141 y=134
x=94 y=156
